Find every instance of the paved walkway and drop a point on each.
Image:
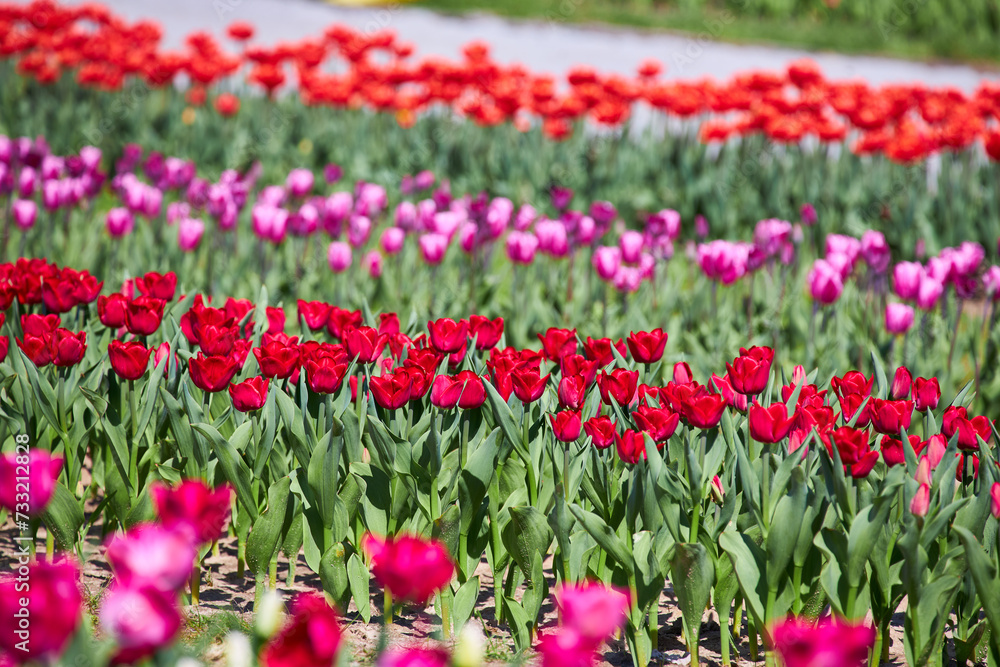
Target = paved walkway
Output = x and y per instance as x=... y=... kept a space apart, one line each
x=550 y=46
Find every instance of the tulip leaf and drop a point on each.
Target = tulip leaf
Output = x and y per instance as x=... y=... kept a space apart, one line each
x=520 y=623
x=504 y=418
x=984 y=574
x=323 y=475
x=333 y=575
x=783 y=532
x=650 y=579
x=476 y=476
x=181 y=428
x=465 y=603
x=880 y=377
x=603 y=534
x=526 y=534
x=863 y=535
x=265 y=535
x=357 y=573
x=692 y=574
x=234 y=468
x=63 y=517
x=749 y=562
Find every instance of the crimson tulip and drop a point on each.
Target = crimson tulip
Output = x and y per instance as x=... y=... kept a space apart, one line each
x=771 y=424
x=890 y=416
x=704 y=411
x=892 y=449
x=485 y=331
x=447 y=335
x=850 y=405
x=212 y=374
x=659 y=423
x=734 y=399
x=67 y=348
x=59 y=296
x=852 y=445
x=464 y=390
x=311 y=637
x=682 y=372
x=314 y=313
x=749 y=372
x=324 y=373
x=647 y=346
x=528 y=384
x=619 y=385
x=566 y=425
x=412 y=568
x=39 y=325
x=926 y=394
x=340 y=320
x=995 y=500
x=277 y=360
x=193 y=507
x=601 y=430
x=391 y=391
x=111 y=310
x=128 y=360
x=631 y=446
x=853 y=382
x=557 y=343
x=420 y=380
x=143 y=315
x=158 y=286
x=956 y=420
x=388 y=323
x=36 y=348
x=249 y=395
x=577 y=364
x=599 y=349
x=4 y=348
x=902 y=381
x=572 y=391
x=56 y=606
x=364 y=344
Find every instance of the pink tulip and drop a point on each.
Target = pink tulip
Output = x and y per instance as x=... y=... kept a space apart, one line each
x=372 y=263
x=25 y=212
x=412 y=568
x=995 y=499
x=565 y=647
x=991 y=282
x=371 y=199
x=151 y=555
x=700 y=226
x=825 y=283
x=269 y=222
x=631 y=244
x=606 y=261
x=311 y=637
x=898 y=318
x=525 y=216
x=392 y=240
x=414 y=657
x=299 y=182
x=433 y=248
x=552 y=237
x=906 y=278
x=808 y=214
x=521 y=247
x=830 y=643
x=921 y=501
x=406 y=215
x=446 y=223
x=38 y=470
x=339 y=256
x=593 y=609
x=875 y=250
x=723 y=261
x=26 y=181
x=337 y=207
x=119 y=222
x=189 y=233
x=139 y=620
x=839 y=244
x=194 y=507
x=358 y=230
x=55 y=606
x=930 y=291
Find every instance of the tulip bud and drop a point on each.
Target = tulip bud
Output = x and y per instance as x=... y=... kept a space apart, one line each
x=901 y=384
x=237 y=650
x=718 y=493
x=995 y=497
x=921 y=501
x=470 y=648
x=924 y=471
x=270 y=614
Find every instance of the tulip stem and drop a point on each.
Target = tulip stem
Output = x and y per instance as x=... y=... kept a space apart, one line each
x=273 y=573
x=445 y=601
x=196 y=584
x=387 y=606
x=50 y=543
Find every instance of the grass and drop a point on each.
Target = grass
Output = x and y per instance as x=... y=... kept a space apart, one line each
x=813 y=32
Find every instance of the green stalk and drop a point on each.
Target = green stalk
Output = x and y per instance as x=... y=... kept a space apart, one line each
x=196 y=585
x=273 y=573
x=386 y=607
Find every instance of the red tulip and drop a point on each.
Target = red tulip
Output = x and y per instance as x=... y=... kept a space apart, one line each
x=631 y=446
x=427 y=359
x=852 y=445
x=676 y=395
x=447 y=335
x=340 y=321
x=193 y=507
x=926 y=394
x=890 y=416
x=152 y=555
x=364 y=344
x=464 y=390
x=391 y=391
x=277 y=360
x=36 y=348
x=734 y=399
x=38 y=471
x=853 y=382
x=140 y=620
x=850 y=404
x=55 y=604
x=892 y=449
x=528 y=384
x=771 y=424
x=111 y=310
x=749 y=372
x=647 y=346
x=143 y=315
x=4 y=347
x=196 y=324
x=324 y=374
x=388 y=323
x=157 y=286
x=956 y=420
x=682 y=373
x=314 y=313
x=572 y=391
x=704 y=411
x=311 y=637
x=601 y=430
x=412 y=568
x=566 y=425
x=420 y=380
x=212 y=374
x=833 y=643
x=128 y=360
x=901 y=383
x=599 y=349
x=39 y=325
x=659 y=423
x=249 y=395
x=619 y=385
x=67 y=348
x=485 y=331
x=59 y=296
x=577 y=364
x=557 y=343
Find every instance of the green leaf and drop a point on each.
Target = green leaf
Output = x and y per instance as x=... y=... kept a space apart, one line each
x=749 y=562
x=333 y=575
x=603 y=534
x=465 y=603
x=526 y=534
x=504 y=418
x=266 y=532
x=63 y=517
x=358 y=575
x=692 y=574
x=234 y=468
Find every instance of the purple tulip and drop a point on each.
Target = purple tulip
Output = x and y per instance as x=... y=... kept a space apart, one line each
x=51 y=195
x=91 y=156
x=898 y=318
x=359 y=230
x=372 y=263
x=848 y=246
x=392 y=240
x=339 y=256
x=26 y=182
x=120 y=222
x=332 y=173
x=525 y=216
x=269 y=222
x=603 y=212
x=521 y=247
x=433 y=247
x=406 y=215
x=929 y=292
x=808 y=214
x=299 y=182
x=189 y=233
x=424 y=180
x=552 y=237
x=561 y=197
x=664 y=223
x=906 y=277
x=825 y=282
x=606 y=260
x=875 y=250
x=631 y=243
x=25 y=212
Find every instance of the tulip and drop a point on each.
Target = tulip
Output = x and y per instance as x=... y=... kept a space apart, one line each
x=602 y=431
x=659 y=423
x=311 y=637
x=391 y=391
x=528 y=384
x=139 y=620
x=392 y=240
x=314 y=313
x=593 y=609
x=749 y=372
x=143 y=315
x=364 y=344
x=566 y=425
x=599 y=349
x=733 y=398
x=339 y=256
x=447 y=335
x=119 y=222
x=38 y=471
x=299 y=182
x=890 y=416
x=995 y=499
x=277 y=360
x=36 y=348
x=956 y=420
x=852 y=445
x=157 y=286
x=414 y=657
x=631 y=446
x=55 y=604
x=921 y=501
x=926 y=394
x=853 y=382
x=902 y=382
x=606 y=261
x=249 y=395
x=212 y=374
x=825 y=282
x=557 y=343
x=388 y=323
x=67 y=348
x=25 y=213
x=371 y=262
x=111 y=310
x=128 y=360
x=769 y=425
x=898 y=318
x=433 y=248
x=193 y=507
x=521 y=247
x=682 y=373
x=875 y=250
x=717 y=492
x=466 y=385
x=704 y=411
x=412 y=568
x=189 y=233
x=834 y=643
x=340 y=321
x=619 y=386
x=572 y=391
x=324 y=374
x=931 y=290
x=647 y=347
x=485 y=331
x=565 y=647
x=892 y=449
x=151 y=555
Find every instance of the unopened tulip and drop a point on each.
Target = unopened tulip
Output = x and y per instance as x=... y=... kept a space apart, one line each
x=25 y=212
x=898 y=318
x=311 y=637
x=249 y=395
x=433 y=248
x=902 y=382
x=921 y=501
x=926 y=393
x=119 y=222
x=601 y=430
x=339 y=256
x=566 y=425
x=995 y=498
x=647 y=347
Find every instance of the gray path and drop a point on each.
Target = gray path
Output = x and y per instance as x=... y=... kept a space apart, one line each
x=550 y=46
